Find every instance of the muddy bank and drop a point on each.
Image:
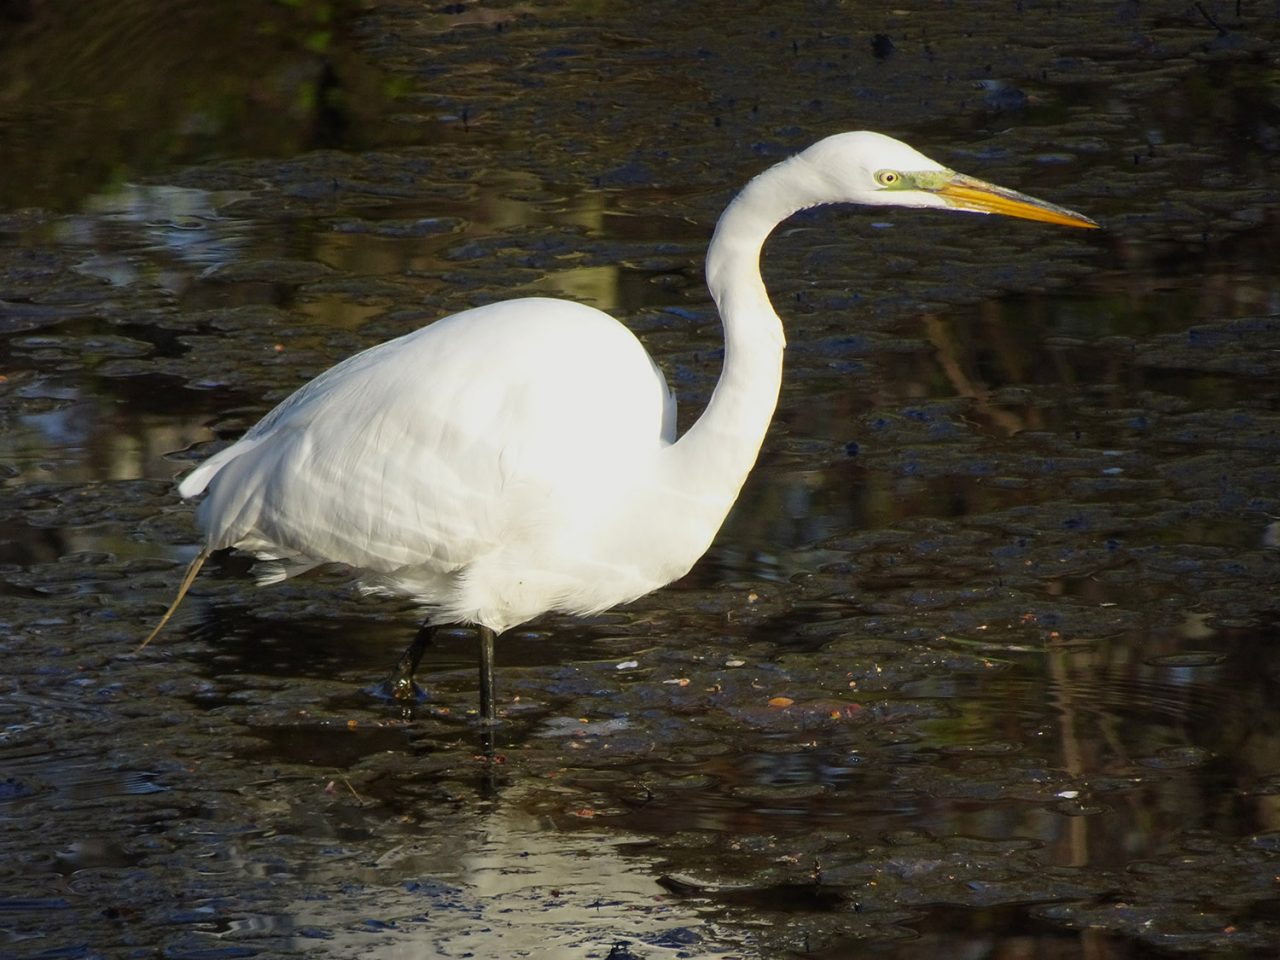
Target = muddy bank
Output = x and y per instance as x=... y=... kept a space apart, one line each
x=982 y=662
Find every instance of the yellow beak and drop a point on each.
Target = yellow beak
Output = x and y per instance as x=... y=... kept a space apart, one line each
x=969 y=193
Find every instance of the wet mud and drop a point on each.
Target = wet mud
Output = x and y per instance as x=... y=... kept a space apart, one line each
x=984 y=663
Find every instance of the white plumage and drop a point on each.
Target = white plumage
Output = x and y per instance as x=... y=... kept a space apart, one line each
x=476 y=463
x=521 y=457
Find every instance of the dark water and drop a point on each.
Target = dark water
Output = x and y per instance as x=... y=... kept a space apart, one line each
x=984 y=663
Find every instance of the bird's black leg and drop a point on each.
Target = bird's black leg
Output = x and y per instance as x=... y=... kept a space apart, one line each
x=488 y=706
x=399 y=684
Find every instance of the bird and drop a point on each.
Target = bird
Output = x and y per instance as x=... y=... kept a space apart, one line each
x=522 y=457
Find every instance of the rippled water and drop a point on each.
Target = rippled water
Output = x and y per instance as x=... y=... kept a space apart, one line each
x=981 y=665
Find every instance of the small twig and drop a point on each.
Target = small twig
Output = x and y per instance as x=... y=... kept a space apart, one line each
x=1222 y=31
x=343 y=778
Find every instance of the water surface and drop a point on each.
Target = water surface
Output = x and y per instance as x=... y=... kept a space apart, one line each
x=981 y=664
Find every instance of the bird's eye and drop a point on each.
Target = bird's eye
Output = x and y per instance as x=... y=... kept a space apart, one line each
x=888 y=178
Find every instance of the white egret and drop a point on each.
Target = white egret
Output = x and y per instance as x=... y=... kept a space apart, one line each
x=522 y=457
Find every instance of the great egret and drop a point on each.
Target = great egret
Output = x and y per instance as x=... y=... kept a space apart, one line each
x=522 y=457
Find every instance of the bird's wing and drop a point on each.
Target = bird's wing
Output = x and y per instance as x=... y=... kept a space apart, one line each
x=431 y=449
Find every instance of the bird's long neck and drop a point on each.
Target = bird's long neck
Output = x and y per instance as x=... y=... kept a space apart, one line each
x=714 y=456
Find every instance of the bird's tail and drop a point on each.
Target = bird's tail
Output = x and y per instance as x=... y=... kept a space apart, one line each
x=192 y=569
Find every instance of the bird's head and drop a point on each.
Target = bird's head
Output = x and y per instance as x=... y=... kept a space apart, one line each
x=870 y=168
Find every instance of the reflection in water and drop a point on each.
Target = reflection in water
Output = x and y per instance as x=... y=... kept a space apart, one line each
x=519 y=889
x=93 y=95
x=180 y=228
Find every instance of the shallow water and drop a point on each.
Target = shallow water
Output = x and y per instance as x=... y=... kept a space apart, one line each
x=982 y=664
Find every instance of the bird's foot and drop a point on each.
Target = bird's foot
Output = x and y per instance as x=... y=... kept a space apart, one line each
x=399 y=689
